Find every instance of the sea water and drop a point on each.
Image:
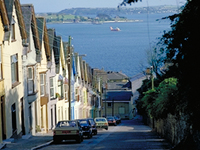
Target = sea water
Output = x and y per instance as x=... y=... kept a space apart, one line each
x=124 y=50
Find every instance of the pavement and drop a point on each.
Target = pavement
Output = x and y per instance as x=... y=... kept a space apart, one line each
x=28 y=142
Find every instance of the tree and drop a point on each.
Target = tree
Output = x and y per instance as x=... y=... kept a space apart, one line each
x=182 y=46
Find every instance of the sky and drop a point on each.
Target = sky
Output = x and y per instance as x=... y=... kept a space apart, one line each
x=42 y=6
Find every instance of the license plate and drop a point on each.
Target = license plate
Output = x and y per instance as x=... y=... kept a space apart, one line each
x=66 y=132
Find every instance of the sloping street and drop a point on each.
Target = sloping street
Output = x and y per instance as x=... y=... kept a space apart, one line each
x=130 y=134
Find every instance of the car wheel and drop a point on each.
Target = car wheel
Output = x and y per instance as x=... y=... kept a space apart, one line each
x=115 y=124
x=91 y=135
x=79 y=140
x=95 y=133
x=88 y=136
x=56 y=140
x=106 y=128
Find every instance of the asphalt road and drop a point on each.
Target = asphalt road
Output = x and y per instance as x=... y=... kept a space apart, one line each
x=130 y=134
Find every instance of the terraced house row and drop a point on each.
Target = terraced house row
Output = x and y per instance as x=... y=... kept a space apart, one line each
x=42 y=80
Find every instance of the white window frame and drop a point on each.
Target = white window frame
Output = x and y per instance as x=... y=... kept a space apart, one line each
x=30 y=78
x=60 y=88
x=42 y=84
x=14 y=68
x=66 y=91
x=52 y=88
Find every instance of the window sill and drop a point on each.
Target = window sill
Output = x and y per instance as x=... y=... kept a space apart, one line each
x=34 y=93
x=13 y=40
x=53 y=98
x=15 y=84
x=60 y=98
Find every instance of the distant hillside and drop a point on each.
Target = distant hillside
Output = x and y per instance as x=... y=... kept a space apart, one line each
x=114 y=11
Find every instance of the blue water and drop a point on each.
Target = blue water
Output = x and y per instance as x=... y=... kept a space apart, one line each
x=116 y=51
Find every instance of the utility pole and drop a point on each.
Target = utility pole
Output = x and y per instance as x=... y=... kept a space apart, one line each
x=69 y=75
x=152 y=78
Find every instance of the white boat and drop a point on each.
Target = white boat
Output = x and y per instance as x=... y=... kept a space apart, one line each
x=114 y=29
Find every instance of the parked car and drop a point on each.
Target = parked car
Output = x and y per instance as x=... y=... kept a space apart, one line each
x=86 y=127
x=111 y=120
x=67 y=130
x=101 y=122
x=118 y=119
x=93 y=124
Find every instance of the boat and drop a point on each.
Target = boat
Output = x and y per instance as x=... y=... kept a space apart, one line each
x=116 y=29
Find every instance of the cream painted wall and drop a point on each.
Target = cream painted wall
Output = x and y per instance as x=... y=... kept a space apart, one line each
x=42 y=67
x=13 y=95
x=1 y=82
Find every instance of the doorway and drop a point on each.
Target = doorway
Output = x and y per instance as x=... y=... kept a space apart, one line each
x=14 y=119
x=3 y=121
x=22 y=116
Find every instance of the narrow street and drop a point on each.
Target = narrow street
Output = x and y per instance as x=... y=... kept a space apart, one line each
x=130 y=134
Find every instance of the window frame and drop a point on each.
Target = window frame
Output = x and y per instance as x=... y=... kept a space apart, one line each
x=14 y=69
x=109 y=104
x=60 y=89
x=30 y=79
x=52 y=95
x=43 y=85
x=66 y=91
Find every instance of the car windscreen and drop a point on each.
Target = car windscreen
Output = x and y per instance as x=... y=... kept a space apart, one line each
x=83 y=122
x=66 y=124
x=110 y=118
x=100 y=120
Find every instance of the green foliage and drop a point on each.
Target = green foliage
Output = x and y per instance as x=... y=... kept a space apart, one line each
x=161 y=100
x=182 y=46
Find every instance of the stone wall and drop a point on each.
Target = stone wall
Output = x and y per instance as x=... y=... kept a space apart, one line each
x=172 y=128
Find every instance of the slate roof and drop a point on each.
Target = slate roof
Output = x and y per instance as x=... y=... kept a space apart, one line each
x=118 y=85
x=118 y=95
x=51 y=35
x=40 y=27
x=9 y=8
x=56 y=50
x=136 y=77
x=116 y=75
x=27 y=16
x=4 y=16
x=30 y=23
